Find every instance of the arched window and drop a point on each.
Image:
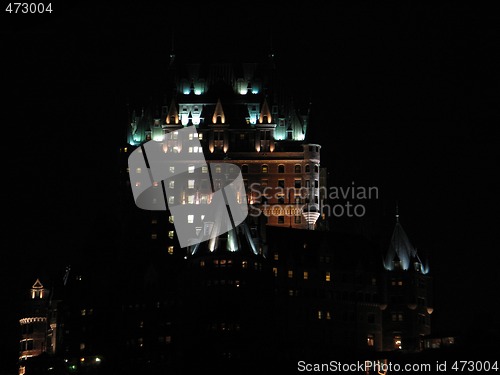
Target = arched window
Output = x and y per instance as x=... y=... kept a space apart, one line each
x=244 y=168
x=308 y=168
x=281 y=168
x=264 y=168
x=316 y=168
x=298 y=168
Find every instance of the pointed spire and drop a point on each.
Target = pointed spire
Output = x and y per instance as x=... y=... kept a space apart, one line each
x=172 y=51
x=400 y=248
x=265 y=113
x=218 y=113
x=173 y=115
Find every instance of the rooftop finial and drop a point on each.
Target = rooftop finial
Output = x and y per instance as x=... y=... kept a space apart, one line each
x=172 y=51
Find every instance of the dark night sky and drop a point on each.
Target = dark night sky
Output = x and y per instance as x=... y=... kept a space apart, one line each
x=404 y=97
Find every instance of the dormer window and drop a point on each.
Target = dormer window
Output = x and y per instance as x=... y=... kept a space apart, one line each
x=37 y=290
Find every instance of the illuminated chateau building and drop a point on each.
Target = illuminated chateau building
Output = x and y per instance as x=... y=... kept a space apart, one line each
x=194 y=289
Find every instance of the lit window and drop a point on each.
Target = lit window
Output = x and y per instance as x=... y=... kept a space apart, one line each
x=397 y=317
x=200 y=136
x=190 y=184
x=171 y=184
x=171 y=169
x=306 y=275
x=370 y=341
x=171 y=199
x=264 y=168
x=170 y=234
x=191 y=169
x=328 y=315
x=244 y=264
x=397 y=342
x=327 y=276
x=320 y=314
x=190 y=219
x=138 y=170
x=275 y=271
x=276 y=256
x=204 y=169
x=82 y=346
x=171 y=219
x=202 y=263
x=218 y=169
x=170 y=249
x=154 y=236
x=290 y=274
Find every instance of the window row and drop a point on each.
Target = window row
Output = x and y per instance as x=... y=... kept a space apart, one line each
x=281 y=168
x=222 y=263
x=244 y=168
x=305 y=274
x=331 y=295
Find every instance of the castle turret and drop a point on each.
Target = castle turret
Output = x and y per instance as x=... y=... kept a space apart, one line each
x=33 y=341
x=407 y=293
